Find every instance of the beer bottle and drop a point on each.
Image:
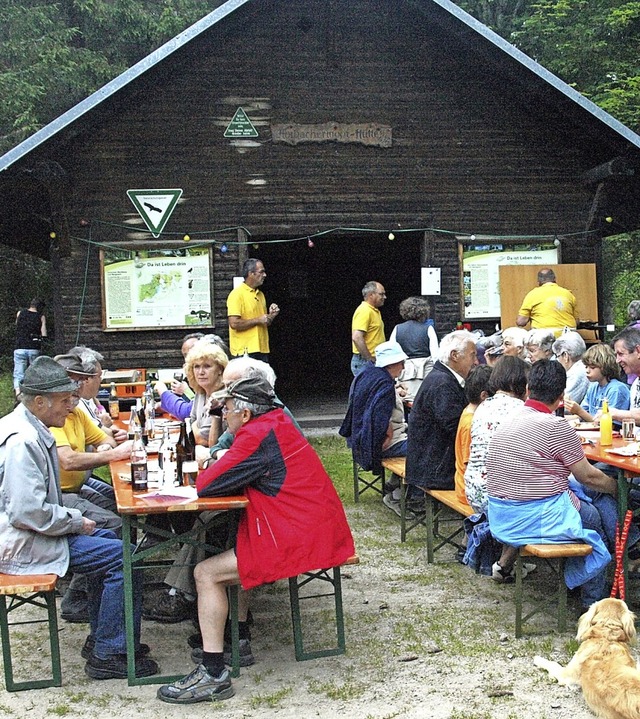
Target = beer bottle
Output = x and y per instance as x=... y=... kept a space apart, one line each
x=139 y=468
x=134 y=421
x=606 y=425
x=150 y=412
x=114 y=404
x=142 y=418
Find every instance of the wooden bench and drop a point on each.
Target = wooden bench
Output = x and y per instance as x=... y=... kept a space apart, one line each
x=37 y=590
x=550 y=553
x=333 y=578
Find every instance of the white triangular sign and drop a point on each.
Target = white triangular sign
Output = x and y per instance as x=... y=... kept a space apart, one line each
x=154 y=206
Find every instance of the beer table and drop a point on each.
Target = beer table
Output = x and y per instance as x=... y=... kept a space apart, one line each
x=133 y=507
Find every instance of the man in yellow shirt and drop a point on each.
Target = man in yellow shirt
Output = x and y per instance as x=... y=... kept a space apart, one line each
x=248 y=316
x=548 y=306
x=367 y=327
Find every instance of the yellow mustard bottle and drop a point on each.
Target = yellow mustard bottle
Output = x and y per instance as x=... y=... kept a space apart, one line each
x=606 y=425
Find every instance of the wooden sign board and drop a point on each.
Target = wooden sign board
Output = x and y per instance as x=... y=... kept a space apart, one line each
x=517 y=280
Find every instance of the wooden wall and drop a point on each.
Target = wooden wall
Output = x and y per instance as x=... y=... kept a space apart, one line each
x=470 y=153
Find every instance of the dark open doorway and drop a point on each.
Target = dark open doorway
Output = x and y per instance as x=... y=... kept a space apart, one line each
x=318 y=289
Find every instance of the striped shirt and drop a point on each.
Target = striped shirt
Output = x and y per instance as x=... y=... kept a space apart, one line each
x=529 y=457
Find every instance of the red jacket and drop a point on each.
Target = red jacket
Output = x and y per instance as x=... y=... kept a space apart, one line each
x=295 y=521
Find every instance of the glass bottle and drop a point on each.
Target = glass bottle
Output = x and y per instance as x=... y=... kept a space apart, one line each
x=114 y=404
x=185 y=448
x=134 y=421
x=139 y=467
x=150 y=412
x=606 y=425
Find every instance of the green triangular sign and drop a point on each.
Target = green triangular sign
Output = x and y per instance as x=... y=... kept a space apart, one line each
x=154 y=206
x=240 y=126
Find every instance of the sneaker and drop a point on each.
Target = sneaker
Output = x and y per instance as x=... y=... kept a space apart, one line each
x=115 y=667
x=391 y=503
x=246 y=655
x=199 y=686
x=168 y=608
x=87 y=650
x=498 y=574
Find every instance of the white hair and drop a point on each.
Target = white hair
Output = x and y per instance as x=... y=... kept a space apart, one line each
x=571 y=343
x=249 y=366
x=516 y=335
x=455 y=341
x=542 y=337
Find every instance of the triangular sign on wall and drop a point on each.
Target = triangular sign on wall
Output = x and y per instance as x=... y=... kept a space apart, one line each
x=240 y=126
x=154 y=206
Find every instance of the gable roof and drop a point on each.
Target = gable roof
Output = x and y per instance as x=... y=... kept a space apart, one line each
x=470 y=23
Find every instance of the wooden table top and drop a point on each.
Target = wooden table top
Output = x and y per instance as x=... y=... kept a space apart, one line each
x=596 y=453
x=130 y=502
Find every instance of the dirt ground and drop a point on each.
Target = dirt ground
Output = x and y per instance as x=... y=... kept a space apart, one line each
x=423 y=641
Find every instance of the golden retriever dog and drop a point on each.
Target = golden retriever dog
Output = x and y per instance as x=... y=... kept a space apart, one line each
x=603 y=665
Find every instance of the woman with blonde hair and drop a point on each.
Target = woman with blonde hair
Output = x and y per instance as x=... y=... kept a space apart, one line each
x=204 y=365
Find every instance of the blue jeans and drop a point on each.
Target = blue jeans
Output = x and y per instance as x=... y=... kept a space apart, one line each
x=21 y=360
x=99 y=557
x=594 y=589
x=608 y=510
x=358 y=364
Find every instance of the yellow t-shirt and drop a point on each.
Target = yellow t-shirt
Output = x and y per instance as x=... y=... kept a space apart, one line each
x=369 y=320
x=247 y=304
x=463 y=449
x=550 y=307
x=78 y=432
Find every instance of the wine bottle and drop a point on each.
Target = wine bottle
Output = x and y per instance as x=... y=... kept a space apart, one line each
x=114 y=404
x=139 y=467
x=185 y=448
x=150 y=412
x=606 y=425
x=134 y=421
x=142 y=418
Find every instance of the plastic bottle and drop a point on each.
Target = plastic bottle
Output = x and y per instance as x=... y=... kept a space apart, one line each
x=606 y=425
x=139 y=467
x=114 y=404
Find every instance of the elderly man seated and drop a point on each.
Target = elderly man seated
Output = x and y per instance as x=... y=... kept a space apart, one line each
x=374 y=425
x=294 y=523
x=41 y=536
x=531 y=499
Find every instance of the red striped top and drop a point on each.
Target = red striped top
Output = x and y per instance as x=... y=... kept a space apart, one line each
x=529 y=457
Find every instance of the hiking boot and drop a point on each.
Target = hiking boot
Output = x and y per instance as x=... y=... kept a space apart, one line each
x=115 y=667
x=391 y=503
x=199 y=686
x=87 y=650
x=74 y=607
x=246 y=655
x=168 y=608
x=502 y=576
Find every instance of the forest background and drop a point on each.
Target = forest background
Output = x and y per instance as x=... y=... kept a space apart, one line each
x=54 y=54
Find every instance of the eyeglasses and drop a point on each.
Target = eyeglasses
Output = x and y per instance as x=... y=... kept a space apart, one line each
x=226 y=411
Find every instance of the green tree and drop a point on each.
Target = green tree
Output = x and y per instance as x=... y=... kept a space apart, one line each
x=503 y=16
x=53 y=54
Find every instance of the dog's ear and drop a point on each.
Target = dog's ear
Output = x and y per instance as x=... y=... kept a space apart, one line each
x=628 y=625
x=586 y=621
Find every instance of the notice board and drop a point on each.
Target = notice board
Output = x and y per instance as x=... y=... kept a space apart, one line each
x=516 y=281
x=153 y=288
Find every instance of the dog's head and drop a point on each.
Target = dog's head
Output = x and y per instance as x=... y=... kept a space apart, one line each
x=608 y=619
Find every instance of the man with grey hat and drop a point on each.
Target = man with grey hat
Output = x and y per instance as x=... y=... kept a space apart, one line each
x=294 y=523
x=39 y=535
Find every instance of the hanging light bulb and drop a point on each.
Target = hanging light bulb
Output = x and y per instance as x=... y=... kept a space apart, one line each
x=310 y=242
x=391 y=236
x=255 y=245
x=186 y=238
x=223 y=248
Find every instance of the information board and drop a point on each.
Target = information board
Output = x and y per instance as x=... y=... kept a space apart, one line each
x=151 y=289
x=481 y=261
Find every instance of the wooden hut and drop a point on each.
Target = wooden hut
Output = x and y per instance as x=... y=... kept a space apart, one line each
x=309 y=134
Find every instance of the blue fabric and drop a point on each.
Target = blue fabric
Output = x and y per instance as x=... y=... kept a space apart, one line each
x=615 y=392
x=358 y=364
x=99 y=557
x=372 y=398
x=482 y=549
x=176 y=404
x=549 y=521
x=21 y=360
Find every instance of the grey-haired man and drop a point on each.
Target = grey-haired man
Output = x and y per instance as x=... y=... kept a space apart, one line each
x=39 y=535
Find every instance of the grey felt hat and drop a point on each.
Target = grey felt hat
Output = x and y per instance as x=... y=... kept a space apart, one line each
x=72 y=363
x=250 y=389
x=46 y=376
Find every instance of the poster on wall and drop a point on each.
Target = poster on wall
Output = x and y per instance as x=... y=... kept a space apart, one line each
x=151 y=289
x=480 y=262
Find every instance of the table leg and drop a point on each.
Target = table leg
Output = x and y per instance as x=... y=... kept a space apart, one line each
x=127 y=563
x=623 y=504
